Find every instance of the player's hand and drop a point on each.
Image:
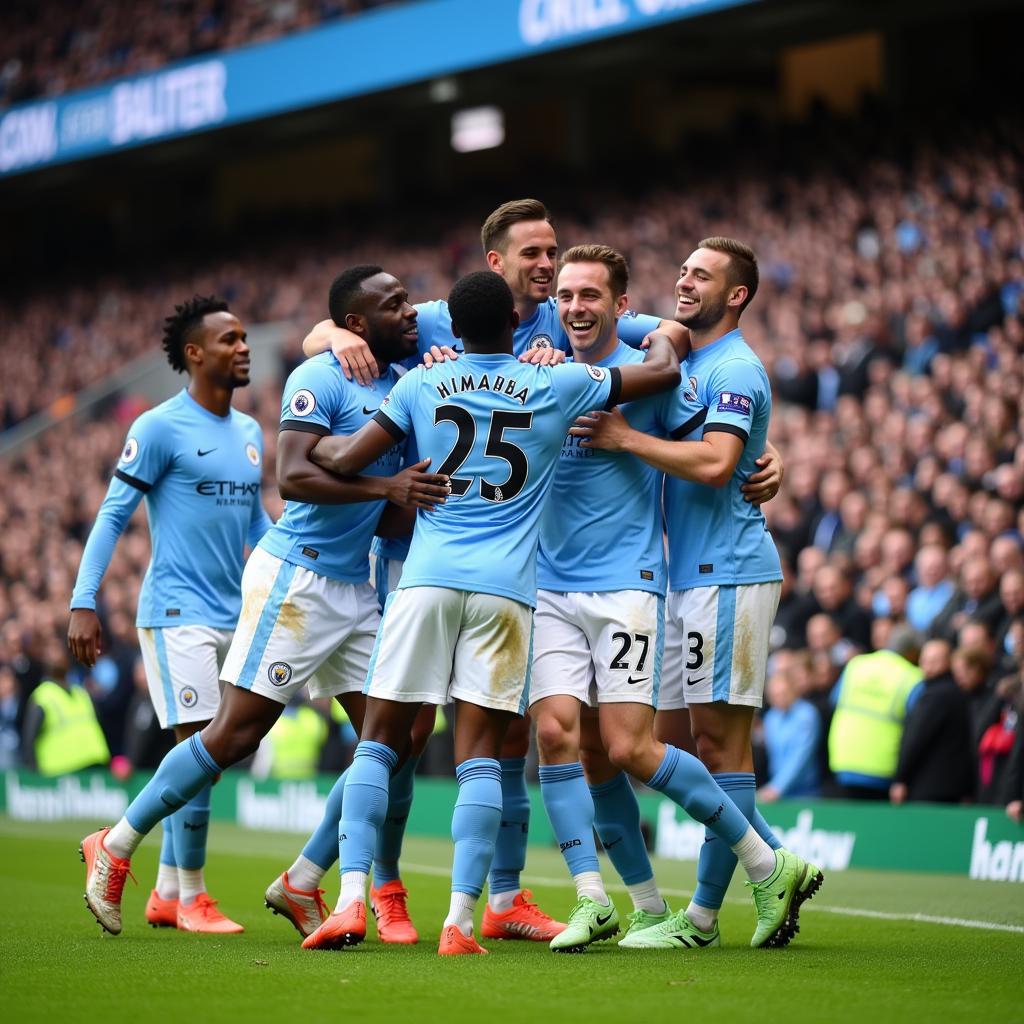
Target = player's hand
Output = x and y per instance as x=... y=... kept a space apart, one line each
x=763 y=485
x=1015 y=810
x=85 y=636
x=543 y=356
x=357 y=361
x=768 y=795
x=898 y=793
x=607 y=430
x=438 y=354
x=677 y=334
x=414 y=487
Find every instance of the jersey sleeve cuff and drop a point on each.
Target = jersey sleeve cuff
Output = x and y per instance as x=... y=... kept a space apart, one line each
x=306 y=428
x=690 y=425
x=615 y=388
x=727 y=428
x=133 y=481
x=385 y=421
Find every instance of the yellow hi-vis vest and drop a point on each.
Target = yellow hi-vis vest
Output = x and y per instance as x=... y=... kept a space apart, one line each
x=295 y=743
x=71 y=737
x=868 y=721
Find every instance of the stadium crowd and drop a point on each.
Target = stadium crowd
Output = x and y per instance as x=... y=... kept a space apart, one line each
x=103 y=40
x=891 y=319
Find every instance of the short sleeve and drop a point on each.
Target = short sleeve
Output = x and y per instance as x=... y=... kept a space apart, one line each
x=309 y=397
x=395 y=413
x=737 y=390
x=146 y=454
x=633 y=327
x=580 y=388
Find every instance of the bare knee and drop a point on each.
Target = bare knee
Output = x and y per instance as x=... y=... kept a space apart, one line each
x=517 y=739
x=557 y=742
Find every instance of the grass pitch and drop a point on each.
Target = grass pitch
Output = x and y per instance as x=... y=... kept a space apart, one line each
x=861 y=955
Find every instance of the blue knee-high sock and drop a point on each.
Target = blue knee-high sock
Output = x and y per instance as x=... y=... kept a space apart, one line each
x=571 y=813
x=322 y=846
x=510 y=848
x=716 y=863
x=764 y=830
x=682 y=778
x=365 y=804
x=617 y=820
x=476 y=822
x=167 y=846
x=392 y=832
x=191 y=826
x=186 y=770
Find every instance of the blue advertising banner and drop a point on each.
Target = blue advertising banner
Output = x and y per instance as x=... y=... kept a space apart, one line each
x=374 y=51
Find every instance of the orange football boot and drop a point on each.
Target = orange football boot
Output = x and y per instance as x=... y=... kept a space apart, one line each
x=454 y=943
x=347 y=928
x=105 y=875
x=305 y=908
x=523 y=920
x=161 y=913
x=202 y=915
x=388 y=904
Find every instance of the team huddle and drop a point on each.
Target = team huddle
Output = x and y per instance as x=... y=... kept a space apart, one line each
x=514 y=458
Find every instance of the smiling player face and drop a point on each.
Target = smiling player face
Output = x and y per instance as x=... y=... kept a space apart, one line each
x=392 y=333
x=222 y=352
x=528 y=261
x=704 y=290
x=588 y=309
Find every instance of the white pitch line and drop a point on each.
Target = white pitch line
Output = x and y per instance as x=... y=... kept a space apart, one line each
x=878 y=915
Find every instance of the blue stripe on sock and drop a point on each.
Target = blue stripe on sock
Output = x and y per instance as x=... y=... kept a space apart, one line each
x=265 y=626
x=170 y=704
x=571 y=813
x=202 y=755
x=725 y=630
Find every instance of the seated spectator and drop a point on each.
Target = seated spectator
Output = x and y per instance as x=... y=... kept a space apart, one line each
x=936 y=759
x=975 y=598
x=792 y=734
x=934 y=587
x=834 y=593
x=1011 y=597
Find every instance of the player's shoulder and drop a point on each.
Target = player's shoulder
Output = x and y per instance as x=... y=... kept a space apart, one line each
x=162 y=417
x=246 y=424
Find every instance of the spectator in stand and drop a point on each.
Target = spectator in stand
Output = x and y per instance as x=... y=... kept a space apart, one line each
x=976 y=598
x=10 y=715
x=834 y=593
x=1013 y=793
x=792 y=736
x=934 y=588
x=995 y=747
x=971 y=667
x=936 y=759
x=1011 y=597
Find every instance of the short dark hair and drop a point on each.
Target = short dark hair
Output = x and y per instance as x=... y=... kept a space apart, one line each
x=183 y=322
x=613 y=260
x=481 y=306
x=346 y=287
x=494 y=233
x=742 y=263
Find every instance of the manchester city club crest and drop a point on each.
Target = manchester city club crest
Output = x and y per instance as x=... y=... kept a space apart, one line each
x=188 y=697
x=541 y=341
x=252 y=453
x=280 y=672
x=690 y=394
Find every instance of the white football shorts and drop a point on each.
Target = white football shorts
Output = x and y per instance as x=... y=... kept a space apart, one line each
x=602 y=648
x=300 y=628
x=182 y=666
x=437 y=645
x=716 y=644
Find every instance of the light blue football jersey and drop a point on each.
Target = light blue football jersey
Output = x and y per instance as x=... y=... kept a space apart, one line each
x=495 y=427
x=200 y=476
x=542 y=330
x=714 y=536
x=601 y=528
x=332 y=540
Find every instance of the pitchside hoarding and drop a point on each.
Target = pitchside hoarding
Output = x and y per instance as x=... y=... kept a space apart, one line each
x=979 y=842
x=365 y=54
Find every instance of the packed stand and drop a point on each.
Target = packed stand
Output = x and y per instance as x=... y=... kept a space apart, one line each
x=100 y=39
x=891 y=319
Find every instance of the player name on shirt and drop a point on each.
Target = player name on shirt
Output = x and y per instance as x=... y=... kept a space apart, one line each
x=471 y=382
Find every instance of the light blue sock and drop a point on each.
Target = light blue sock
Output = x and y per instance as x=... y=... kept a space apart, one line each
x=510 y=848
x=571 y=813
x=167 y=846
x=476 y=822
x=716 y=863
x=617 y=820
x=764 y=830
x=682 y=778
x=183 y=773
x=365 y=804
x=392 y=832
x=191 y=827
x=322 y=846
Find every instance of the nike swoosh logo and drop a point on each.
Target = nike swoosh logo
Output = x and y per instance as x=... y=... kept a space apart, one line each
x=603 y=920
x=632 y=682
x=693 y=682
x=369 y=412
x=201 y=453
x=608 y=846
x=695 y=939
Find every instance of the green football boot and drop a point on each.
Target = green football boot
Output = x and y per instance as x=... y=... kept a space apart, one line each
x=589 y=922
x=674 y=932
x=779 y=897
x=640 y=920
